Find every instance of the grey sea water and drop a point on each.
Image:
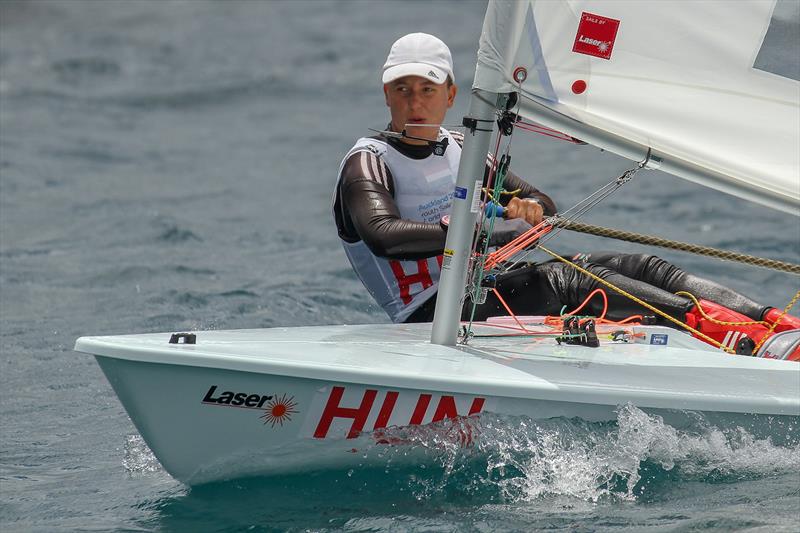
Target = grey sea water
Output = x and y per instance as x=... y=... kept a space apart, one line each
x=168 y=166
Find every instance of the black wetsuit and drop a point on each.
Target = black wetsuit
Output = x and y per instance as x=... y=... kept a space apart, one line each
x=364 y=209
x=545 y=288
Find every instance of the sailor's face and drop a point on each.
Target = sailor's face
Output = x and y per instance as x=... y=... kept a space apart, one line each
x=415 y=100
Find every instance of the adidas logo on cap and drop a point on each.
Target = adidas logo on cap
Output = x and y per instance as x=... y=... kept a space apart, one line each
x=432 y=74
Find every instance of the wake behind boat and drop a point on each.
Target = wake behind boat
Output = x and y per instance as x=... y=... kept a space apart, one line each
x=221 y=404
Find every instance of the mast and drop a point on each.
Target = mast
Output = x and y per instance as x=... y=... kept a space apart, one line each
x=481 y=122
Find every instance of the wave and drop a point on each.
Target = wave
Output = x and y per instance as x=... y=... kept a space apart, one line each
x=622 y=460
x=175 y=234
x=201 y=94
x=509 y=460
x=204 y=94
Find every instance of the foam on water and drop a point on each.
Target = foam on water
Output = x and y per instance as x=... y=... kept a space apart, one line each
x=517 y=459
x=506 y=473
x=138 y=458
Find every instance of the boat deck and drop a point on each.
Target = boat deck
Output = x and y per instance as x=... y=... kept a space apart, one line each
x=681 y=373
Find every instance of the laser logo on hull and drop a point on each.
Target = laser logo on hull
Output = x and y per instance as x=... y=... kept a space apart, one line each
x=275 y=410
x=279 y=410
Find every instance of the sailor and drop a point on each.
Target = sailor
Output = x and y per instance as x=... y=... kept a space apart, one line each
x=395 y=188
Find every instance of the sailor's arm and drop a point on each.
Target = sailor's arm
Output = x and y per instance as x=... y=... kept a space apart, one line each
x=375 y=219
x=368 y=212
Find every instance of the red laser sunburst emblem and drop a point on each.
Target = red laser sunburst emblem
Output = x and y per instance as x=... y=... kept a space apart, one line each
x=279 y=410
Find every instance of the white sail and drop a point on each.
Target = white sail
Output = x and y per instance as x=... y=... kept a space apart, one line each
x=677 y=77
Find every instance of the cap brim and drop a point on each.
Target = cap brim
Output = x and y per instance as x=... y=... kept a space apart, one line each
x=434 y=74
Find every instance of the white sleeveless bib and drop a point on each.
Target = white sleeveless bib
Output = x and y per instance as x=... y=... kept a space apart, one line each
x=423 y=192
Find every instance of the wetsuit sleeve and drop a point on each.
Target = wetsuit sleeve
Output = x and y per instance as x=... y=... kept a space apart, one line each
x=365 y=209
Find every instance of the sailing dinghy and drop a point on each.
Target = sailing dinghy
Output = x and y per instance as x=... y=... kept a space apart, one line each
x=221 y=404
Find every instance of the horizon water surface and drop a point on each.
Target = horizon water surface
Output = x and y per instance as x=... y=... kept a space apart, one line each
x=168 y=166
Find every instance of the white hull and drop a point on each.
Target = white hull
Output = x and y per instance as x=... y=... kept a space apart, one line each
x=305 y=394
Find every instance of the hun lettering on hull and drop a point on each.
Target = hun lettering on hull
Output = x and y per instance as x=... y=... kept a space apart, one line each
x=348 y=411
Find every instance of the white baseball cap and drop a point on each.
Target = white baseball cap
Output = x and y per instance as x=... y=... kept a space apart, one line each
x=419 y=54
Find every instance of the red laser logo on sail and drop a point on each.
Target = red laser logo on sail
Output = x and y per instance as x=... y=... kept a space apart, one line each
x=279 y=410
x=596 y=36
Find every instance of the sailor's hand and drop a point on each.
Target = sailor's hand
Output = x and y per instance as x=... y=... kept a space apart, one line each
x=527 y=209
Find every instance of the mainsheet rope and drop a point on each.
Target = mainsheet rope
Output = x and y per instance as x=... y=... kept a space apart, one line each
x=653 y=240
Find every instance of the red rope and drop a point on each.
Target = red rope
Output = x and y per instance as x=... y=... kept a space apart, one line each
x=588 y=298
x=509 y=311
x=517 y=245
x=544 y=130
